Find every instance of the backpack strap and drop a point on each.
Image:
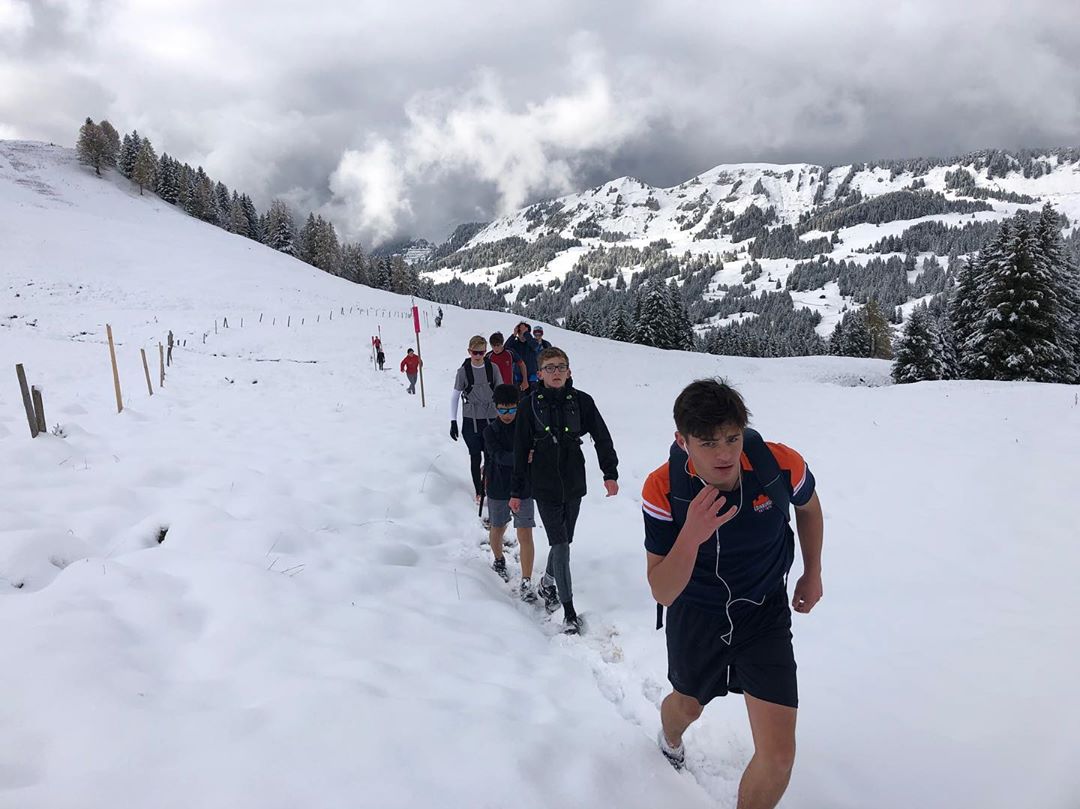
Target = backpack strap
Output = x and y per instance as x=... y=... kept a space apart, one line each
x=767 y=471
x=470 y=380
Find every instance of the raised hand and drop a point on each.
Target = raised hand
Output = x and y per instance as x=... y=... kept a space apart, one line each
x=705 y=515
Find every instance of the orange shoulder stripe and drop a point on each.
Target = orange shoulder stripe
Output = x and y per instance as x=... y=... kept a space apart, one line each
x=654 y=494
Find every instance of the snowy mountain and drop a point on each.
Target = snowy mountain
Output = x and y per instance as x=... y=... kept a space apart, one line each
x=264 y=585
x=759 y=228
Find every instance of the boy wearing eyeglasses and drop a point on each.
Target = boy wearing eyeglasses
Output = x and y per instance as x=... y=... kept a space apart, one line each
x=547 y=454
x=499 y=471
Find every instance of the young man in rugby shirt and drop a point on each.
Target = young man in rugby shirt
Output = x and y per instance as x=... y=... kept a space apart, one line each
x=718 y=552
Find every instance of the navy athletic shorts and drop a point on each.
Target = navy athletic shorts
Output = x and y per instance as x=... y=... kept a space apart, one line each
x=705 y=661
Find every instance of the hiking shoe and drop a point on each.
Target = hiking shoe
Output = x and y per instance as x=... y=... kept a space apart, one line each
x=528 y=594
x=676 y=756
x=486 y=522
x=499 y=566
x=546 y=590
x=572 y=625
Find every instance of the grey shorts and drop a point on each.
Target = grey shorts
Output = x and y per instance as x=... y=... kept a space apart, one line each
x=499 y=513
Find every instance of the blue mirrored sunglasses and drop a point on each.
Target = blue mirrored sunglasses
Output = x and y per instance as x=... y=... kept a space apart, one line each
x=506 y=411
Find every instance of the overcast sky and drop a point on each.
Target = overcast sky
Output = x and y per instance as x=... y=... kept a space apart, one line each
x=395 y=117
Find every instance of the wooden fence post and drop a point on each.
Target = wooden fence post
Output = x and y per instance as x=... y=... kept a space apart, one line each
x=215 y=327
x=115 y=371
x=31 y=418
x=288 y=323
x=146 y=370
x=260 y=317
x=226 y=323
x=39 y=408
x=161 y=356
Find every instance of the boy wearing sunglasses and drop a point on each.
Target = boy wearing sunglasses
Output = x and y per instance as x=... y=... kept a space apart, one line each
x=499 y=471
x=474 y=390
x=547 y=454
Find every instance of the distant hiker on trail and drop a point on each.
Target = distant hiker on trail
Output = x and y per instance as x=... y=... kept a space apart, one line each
x=523 y=344
x=499 y=471
x=547 y=454
x=474 y=388
x=438 y=318
x=380 y=357
x=538 y=333
x=719 y=547
x=510 y=364
x=410 y=366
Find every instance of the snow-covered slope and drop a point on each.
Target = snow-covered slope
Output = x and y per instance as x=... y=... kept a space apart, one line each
x=320 y=626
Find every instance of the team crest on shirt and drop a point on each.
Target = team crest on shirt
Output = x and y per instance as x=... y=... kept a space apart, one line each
x=762 y=503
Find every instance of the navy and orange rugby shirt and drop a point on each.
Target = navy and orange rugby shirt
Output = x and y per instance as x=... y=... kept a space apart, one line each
x=748 y=558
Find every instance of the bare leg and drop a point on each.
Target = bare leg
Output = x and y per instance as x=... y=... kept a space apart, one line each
x=495 y=539
x=677 y=713
x=767 y=775
x=526 y=550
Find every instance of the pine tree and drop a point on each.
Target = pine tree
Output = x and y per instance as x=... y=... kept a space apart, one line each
x=919 y=353
x=168 y=180
x=964 y=312
x=113 y=138
x=618 y=327
x=1066 y=283
x=93 y=146
x=682 y=335
x=144 y=171
x=306 y=241
x=353 y=265
x=280 y=229
x=654 y=325
x=251 y=219
x=222 y=205
x=237 y=218
x=380 y=273
x=1017 y=337
x=880 y=333
x=203 y=202
x=129 y=153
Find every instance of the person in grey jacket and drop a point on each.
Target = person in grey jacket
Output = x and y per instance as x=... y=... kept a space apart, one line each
x=474 y=391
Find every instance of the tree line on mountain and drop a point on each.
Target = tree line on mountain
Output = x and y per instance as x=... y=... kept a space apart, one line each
x=315 y=242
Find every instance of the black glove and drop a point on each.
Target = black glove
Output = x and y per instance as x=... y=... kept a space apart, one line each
x=453 y=429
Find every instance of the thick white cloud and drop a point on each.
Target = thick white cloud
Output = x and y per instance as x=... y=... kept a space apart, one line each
x=443 y=111
x=15 y=19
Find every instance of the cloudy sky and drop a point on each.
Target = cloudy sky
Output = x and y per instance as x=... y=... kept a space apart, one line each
x=397 y=117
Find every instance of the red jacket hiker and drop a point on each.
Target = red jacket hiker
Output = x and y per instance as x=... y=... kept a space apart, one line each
x=411 y=363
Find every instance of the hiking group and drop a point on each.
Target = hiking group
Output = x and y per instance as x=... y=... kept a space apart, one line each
x=523 y=422
x=718 y=539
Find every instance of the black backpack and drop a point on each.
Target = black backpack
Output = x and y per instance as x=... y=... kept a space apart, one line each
x=770 y=476
x=470 y=379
